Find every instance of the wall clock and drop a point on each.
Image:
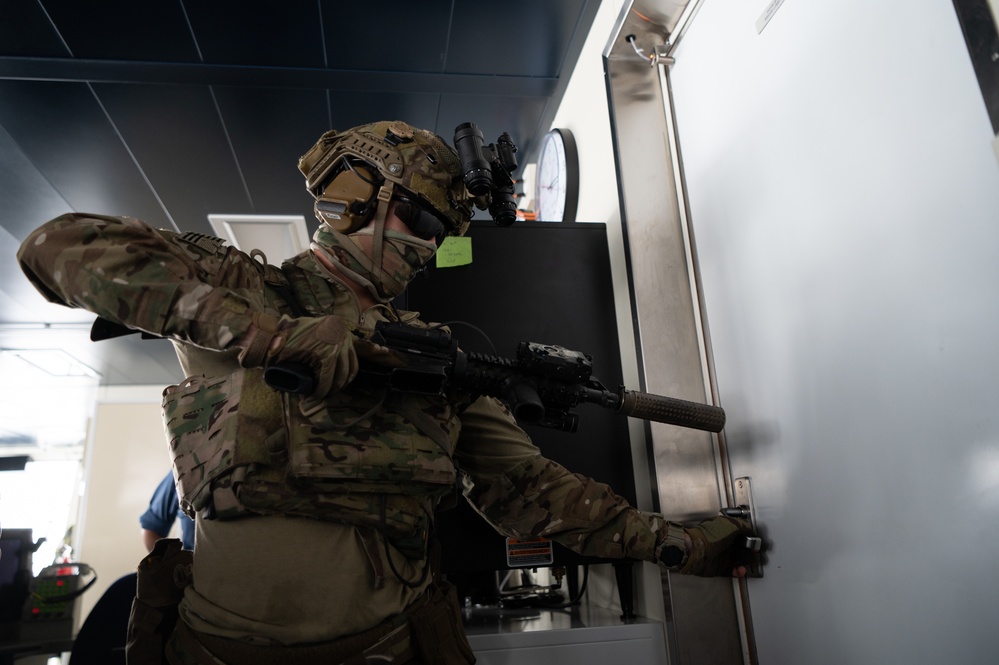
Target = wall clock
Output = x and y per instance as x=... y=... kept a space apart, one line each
x=556 y=188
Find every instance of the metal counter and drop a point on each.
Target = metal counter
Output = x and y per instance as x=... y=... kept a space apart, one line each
x=550 y=637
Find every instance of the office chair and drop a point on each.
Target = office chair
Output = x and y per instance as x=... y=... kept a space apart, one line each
x=102 y=636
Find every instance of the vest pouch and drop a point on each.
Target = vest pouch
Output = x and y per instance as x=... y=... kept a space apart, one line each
x=204 y=420
x=373 y=442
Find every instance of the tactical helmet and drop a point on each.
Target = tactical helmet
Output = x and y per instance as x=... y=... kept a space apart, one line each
x=350 y=172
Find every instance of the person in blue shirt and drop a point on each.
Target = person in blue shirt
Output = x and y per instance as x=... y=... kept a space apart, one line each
x=164 y=508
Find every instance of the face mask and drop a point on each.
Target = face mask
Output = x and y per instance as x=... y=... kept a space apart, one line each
x=402 y=257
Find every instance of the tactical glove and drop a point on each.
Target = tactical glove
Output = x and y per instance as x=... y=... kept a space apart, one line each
x=717 y=547
x=323 y=345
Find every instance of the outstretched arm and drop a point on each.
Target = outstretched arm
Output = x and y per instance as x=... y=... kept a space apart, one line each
x=127 y=272
x=189 y=288
x=523 y=494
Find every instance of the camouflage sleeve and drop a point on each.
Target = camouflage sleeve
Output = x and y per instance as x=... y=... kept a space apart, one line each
x=127 y=272
x=522 y=494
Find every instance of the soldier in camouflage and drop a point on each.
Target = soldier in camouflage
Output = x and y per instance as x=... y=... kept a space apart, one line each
x=313 y=511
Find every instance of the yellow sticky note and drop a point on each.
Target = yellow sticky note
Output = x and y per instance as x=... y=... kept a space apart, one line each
x=454 y=251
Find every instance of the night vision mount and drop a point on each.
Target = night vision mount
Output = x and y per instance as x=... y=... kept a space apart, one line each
x=486 y=171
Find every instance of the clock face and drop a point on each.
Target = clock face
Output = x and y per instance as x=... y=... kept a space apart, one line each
x=557 y=178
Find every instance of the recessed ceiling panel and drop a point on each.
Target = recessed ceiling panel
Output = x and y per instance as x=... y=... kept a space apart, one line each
x=270 y=129
x=25 y=30
x=20 y=302
x=28 y=198
x=351 y=109
x=124 y=29
x=396 y=35
x=516 y=37
x=69 y=141
x=257 y=32
x=178 y=139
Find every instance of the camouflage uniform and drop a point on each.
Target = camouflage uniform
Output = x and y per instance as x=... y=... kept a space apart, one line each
x=289 y=549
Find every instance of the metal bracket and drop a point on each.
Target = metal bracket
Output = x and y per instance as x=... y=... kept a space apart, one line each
x=661 y=56
x=744 y=508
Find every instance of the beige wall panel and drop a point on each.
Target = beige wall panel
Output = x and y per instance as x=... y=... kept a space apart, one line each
x=127 y=459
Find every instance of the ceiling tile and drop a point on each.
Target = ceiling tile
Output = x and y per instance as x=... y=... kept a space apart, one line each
x=257 y=32
x=179 y=141
x=25 y=30
x=270 y=129
x=29 y=199
x=149 y=30
x=20 y=302
x=353 y=109
x=393 y=35
x=67 y=138
x=516 y=37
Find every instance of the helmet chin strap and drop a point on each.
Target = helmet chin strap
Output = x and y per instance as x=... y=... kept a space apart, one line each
x=371 y=264
x=381 y=213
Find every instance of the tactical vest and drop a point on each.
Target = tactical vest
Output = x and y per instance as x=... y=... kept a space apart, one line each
x=369 y=458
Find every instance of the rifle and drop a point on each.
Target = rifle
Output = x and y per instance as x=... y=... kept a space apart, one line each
x=541 y=385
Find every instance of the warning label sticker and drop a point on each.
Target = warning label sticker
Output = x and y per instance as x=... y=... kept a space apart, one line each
x=528 y=553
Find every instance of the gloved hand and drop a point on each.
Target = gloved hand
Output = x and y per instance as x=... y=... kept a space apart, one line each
x=370 y=351
x=323 y=345
x=716 y=547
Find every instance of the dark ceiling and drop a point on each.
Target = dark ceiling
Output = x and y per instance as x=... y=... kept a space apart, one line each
x=168 y=110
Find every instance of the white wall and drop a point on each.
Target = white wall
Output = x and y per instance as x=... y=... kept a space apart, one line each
x=127 y=457
x=845 y=198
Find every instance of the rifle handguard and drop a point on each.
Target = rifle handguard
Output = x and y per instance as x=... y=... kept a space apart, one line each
x=672 y=411
x=556 y=380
